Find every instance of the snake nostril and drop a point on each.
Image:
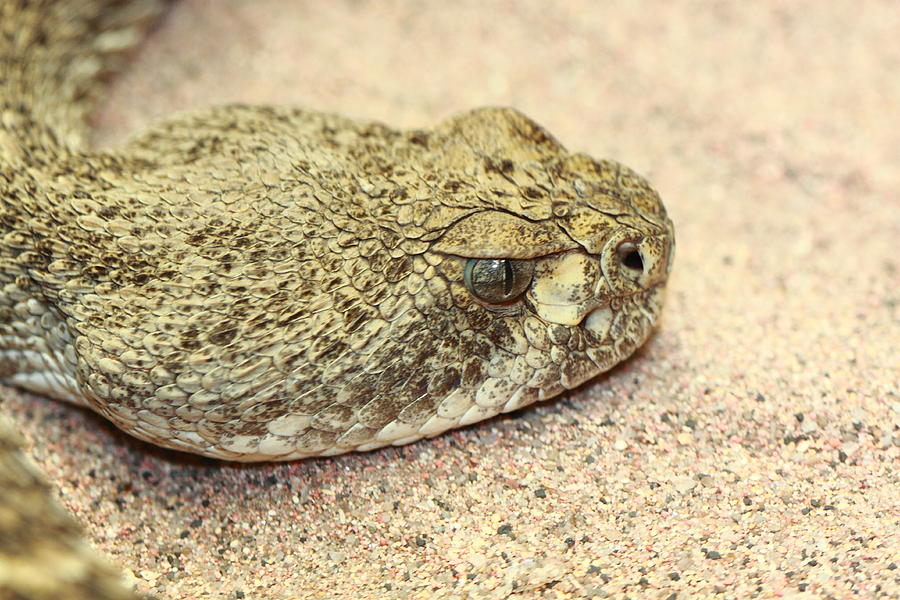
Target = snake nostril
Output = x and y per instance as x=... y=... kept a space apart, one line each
x=629 y=256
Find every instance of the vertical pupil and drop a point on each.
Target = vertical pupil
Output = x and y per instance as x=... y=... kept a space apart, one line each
x=508 y=280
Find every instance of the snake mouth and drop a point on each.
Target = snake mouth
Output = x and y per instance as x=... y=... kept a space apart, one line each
x=599 y=321
x=613 y=331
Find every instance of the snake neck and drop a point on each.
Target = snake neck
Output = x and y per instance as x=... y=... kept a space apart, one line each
x=53 y=56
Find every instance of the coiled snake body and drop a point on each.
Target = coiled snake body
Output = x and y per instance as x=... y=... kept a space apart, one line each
x=261 y=283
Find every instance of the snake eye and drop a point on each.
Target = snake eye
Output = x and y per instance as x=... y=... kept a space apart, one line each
x=496 y=281
x=629 y=257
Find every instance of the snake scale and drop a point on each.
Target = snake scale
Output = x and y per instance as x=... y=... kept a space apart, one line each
x=263 y=283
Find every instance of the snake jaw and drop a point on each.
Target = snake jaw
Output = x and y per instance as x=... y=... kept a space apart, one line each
x=608 y=334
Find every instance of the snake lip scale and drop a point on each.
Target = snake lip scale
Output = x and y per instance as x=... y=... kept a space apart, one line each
x=258 y=283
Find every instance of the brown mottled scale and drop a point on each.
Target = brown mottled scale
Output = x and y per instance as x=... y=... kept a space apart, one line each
x=266 y=283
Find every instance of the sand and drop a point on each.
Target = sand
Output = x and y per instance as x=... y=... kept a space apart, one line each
x=750 y=450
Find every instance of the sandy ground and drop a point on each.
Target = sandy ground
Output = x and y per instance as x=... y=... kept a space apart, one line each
x=750 y=450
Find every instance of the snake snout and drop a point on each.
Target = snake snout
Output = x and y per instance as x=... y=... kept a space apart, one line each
x=646 y=261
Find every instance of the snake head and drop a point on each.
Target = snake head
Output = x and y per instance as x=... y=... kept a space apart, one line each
x=498 y=269
x=260 y=283
x=567 y=254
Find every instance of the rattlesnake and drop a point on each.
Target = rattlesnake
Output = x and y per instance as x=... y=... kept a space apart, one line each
x=266 y=283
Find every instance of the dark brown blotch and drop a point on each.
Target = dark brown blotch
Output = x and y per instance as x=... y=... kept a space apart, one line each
x=222 y=335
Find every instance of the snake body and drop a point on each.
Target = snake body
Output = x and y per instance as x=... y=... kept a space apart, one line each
x=264 y=283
